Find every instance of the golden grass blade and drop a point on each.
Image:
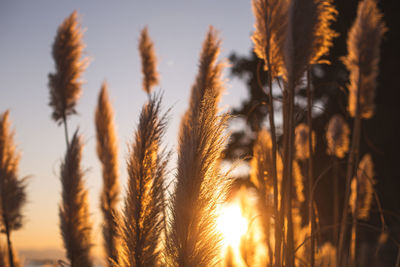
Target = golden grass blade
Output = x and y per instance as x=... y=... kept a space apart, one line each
x=107 y=151
x=75 y=223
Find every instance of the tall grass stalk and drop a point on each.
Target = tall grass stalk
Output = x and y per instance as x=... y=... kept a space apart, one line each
x=308 y=38
x=65 y=84
x=362 y=61
x=12 y=188
x=268 y=41
x=144 y=203
x=322 y=41
x=75 y=223
x=262 y=178
x=297 y=53
x=362 y=190
x=337 y=137
x=107 y=151
x=310 y=169
x=192 y=239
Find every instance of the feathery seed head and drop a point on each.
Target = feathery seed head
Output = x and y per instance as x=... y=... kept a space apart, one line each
x=149 y=61
x=107 y=151
x=192 y=239
x=144 y=203
x=298 y=181
x=209 y=73
x=107 y=146
x=298 y=47
x=309 y=35
x=363 y=57
x=12 y=189
x=323 y=34
x=261 y=163
x=326 y=256
x=337 y=137
x=9 y=159
x=74 y=209
x=301 y=140
x=362 y=188
x=65 y=84
x=269 y=34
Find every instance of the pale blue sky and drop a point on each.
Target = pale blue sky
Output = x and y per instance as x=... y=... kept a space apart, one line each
x=27 y=30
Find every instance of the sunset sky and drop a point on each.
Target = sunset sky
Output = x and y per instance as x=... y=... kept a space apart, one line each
x=27 y=30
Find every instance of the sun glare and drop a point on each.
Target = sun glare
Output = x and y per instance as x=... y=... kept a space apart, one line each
x=232 y=224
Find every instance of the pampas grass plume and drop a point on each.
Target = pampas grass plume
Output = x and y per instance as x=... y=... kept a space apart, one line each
x=323 y=34
x=362 y=188
x=144 y=203
x=363 y=57
x=337 y=137
x=74 y=209
x=192 y=239
x=65 y=83
x=107 y=151
x=301 y=140
x=13 y=196
x=261 y=164
x=149 y=61
x=12 y=188
x=269 y=34
x=209 y=73
x=326 y=256
x=309 y=35
x=298 y=181
x=298 y=48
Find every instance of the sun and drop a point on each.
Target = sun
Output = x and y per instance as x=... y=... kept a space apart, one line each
x=232 y=224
